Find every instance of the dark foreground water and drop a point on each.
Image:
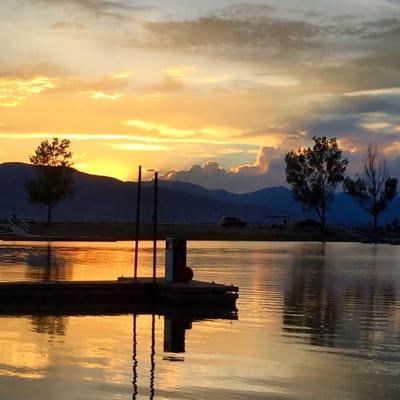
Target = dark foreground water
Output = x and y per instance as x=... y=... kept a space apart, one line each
x=316 y=321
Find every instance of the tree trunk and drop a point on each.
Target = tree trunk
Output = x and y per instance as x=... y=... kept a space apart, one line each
x=323 y=222
x=323 y=219
x=375 y=222
x=49 y=213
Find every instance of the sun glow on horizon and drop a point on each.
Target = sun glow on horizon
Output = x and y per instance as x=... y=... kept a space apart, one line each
x=174 y=86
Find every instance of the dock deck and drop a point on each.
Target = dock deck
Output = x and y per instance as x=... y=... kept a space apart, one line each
x=122 y=295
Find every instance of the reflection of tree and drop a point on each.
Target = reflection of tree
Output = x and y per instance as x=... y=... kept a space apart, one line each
x=310 y=305
x=46 y=265
x=370 y=303
x=52 y=325
x=328 y=310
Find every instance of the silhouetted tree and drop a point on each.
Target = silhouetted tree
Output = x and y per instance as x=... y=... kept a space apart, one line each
x=373 y=188
x=53 y=181
x=314 y=173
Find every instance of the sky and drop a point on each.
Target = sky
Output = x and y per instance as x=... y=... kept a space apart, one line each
x=211 y=92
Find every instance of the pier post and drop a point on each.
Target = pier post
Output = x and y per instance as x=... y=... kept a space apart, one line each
x=155 y=226
x=139 y=187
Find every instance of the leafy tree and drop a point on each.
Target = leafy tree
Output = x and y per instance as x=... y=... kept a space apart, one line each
x=373 y=188
x=314 y=173
x=53 y=181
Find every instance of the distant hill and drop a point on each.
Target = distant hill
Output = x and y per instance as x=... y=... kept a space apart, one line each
x=99 y=198
x=105 y=198
x=342 y=211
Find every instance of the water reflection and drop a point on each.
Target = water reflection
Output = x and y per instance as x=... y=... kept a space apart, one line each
x=39 y=261
x=310 y=305
x=316 y=322
x=47 y=265
x=327 y=308
x=50 y=325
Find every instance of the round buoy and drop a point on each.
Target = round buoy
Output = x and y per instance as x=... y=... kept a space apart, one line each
x=185 y=275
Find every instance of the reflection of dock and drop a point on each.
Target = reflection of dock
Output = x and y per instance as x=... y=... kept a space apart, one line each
x=142 y=295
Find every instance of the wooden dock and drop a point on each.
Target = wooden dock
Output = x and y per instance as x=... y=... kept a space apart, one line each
x=124 y=295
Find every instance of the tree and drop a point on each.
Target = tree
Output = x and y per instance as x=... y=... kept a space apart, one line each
x=314 y=173
x=53 y=181
x=373 y=188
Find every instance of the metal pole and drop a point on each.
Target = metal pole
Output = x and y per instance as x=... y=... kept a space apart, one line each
x=155 y=222
x=139 y=189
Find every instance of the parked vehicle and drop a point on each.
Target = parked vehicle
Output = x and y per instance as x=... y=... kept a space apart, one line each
x=232 y=222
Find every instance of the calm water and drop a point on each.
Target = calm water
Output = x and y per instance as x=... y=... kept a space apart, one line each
x=315 y=322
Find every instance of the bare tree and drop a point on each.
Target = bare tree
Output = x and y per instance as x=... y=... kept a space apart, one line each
x=373 y=188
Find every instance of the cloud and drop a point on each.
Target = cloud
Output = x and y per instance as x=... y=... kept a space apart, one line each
x=168 y=84
x=30 y=70
x=227 y=34
x=111 y=136
x=161 y=129
x=14 y=91
x=201 y=134
x=388 y=28
x=16 y=85
x=100 y=95
x=105 y=8
x=245 y=11
x=267 y=170
x=138 y=147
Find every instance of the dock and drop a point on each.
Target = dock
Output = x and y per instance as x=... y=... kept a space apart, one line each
x=176 y=293
x=125 y=295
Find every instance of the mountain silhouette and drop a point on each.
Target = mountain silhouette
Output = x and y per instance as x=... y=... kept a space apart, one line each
x=100 y=198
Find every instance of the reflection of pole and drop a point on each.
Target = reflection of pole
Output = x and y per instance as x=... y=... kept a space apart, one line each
x=139 y=186
x=152 y=355
x=155 y=225
x=134 y=359
x=47 y=275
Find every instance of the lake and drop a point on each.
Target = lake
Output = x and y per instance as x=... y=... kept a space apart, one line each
x=315 y=321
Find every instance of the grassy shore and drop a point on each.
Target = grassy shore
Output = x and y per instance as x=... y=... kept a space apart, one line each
x=90 y=231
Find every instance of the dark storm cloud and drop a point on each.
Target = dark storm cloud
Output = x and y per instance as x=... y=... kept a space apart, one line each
x=334 y=56
x=358 y=121
x=217 y=32
x=356 y=74
x=245 y=11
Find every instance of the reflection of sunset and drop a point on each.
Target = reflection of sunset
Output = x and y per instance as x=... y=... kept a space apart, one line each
x=20 y=354
x=311 y=316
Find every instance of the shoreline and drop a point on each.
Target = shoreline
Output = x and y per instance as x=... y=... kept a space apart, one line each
x=117 y=231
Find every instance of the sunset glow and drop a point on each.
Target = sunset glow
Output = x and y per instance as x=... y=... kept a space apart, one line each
x=171 y=85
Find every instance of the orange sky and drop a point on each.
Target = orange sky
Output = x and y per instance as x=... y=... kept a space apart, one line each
x=168 y=84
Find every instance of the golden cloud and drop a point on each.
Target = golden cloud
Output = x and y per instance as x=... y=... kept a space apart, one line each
x=100 y=95
x=138 y=147
x=14 y=91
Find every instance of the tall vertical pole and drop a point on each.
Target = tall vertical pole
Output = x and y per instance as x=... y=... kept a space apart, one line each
x=155 y=222
x=139 y=189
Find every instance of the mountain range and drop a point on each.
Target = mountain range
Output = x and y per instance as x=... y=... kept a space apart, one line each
x=100 y=198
